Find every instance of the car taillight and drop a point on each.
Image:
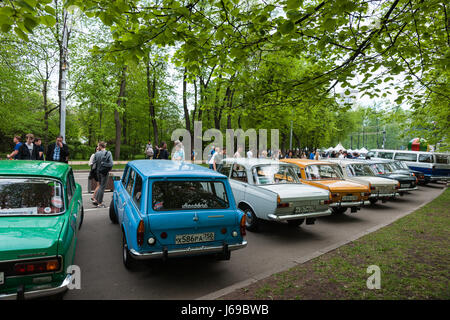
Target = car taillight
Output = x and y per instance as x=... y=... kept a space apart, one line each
x=397 y=186
x=325 y=201
x=140 y=233
x=242 y=225
x=372 y=188
x=37 y=267
x=283 y=205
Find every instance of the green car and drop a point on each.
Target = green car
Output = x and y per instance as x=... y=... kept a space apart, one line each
x=41 y=212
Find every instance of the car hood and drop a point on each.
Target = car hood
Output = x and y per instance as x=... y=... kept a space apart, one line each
x=341 y=185
x=377 y=181
x=27 y=237
x=297 y=191
x=400 y=177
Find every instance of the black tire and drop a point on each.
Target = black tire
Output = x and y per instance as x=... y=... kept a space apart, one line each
x=81 y=218
x=128 y=260
x=373 y=201
x=295 y=223
x=339 y=210
x=251 y=221
x=112 y=213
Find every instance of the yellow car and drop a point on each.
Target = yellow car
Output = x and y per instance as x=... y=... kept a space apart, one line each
x=327 y=175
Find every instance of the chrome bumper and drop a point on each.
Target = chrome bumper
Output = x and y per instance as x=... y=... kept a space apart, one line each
x=299 y=215
x=185 y=252
x=40 y=292
x=347 y=204
x=441 y=178
x=407 y=189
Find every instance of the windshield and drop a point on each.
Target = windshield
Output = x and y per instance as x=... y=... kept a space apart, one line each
x=359 y=170
x=399 y=165
x=323 y=172
x=188 y=195
x=273 y=174
x=381 y=168
x=30 y=196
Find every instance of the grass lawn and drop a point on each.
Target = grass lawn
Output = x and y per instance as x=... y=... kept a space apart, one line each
x=413 y=254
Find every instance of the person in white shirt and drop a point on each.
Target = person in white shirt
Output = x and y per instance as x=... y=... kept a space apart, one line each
x=238 y=153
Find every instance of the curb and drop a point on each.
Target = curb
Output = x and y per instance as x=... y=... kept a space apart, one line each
x=299 y=260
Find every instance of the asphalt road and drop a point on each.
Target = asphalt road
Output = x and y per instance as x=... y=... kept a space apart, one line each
x=103 y=276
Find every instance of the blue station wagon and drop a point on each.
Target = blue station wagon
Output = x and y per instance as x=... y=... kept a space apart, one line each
x=171 y=209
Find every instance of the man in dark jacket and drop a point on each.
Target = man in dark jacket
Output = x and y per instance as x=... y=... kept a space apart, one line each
x=58 y=151
x=162 y=153
x=28 y=150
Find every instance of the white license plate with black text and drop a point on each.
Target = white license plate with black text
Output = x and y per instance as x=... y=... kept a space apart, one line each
x=304 y=209
x=349 y=198
x=404 y=185
x=194 y=238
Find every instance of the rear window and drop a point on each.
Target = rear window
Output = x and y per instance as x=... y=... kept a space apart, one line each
x=427 y=158
x=359 y=170
x=442 y=158
x=30 y=196
x=188 y=195
x=406 y=157
x=323 y=172
x=385 y=155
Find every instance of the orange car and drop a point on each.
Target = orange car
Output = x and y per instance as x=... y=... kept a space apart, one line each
x=327 y=175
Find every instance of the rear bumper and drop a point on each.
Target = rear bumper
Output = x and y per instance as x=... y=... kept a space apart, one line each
x=41 y=292
x=275 y=217
x=186 y=252
x=347 y=204
x=437 y=178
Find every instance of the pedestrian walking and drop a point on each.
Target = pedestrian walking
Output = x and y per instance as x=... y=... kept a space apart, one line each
x=104 y=162
x=149 y=152
x=40 y=147
x=17 y=143
x=58 y=151
x=93 y=176
x=28 y=150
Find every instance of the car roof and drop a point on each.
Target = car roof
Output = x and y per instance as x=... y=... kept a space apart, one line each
x=172 y=169
x=348 y=161
x=250 y=162
x=34 y=168
x=306 y=162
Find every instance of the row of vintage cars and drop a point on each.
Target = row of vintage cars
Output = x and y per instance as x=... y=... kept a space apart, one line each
x=168 y=209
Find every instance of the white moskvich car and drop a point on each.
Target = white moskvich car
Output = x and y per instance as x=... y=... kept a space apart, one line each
x=359 y=171
x=270 y=190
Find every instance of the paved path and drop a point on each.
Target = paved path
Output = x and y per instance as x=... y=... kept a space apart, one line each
x=275 y=247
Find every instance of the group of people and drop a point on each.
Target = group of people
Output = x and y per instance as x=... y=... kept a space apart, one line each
x=32 y=149
x=158 y=152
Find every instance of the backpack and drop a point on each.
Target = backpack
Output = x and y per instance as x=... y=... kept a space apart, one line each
x=149 y=151
x=106 y=163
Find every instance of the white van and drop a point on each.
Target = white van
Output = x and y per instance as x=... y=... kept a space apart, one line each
x=434 y=165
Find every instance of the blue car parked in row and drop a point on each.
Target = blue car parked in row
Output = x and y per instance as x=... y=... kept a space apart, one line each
x=171 y=209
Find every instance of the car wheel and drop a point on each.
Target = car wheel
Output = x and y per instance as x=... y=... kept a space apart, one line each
x=295 y=223
x=373 y=201
x=251 y=220
x=128 y=260
x=339 y=210
x=112 y=213
x=81 y=218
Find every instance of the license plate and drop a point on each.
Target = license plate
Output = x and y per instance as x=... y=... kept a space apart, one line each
x=194 y=238
x=304 y=209
x=404 y=185
x=349 y=198
x=2 y=278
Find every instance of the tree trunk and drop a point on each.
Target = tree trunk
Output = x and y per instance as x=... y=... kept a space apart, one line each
x=186 y=111
x=117 y=114
x=151 y=91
